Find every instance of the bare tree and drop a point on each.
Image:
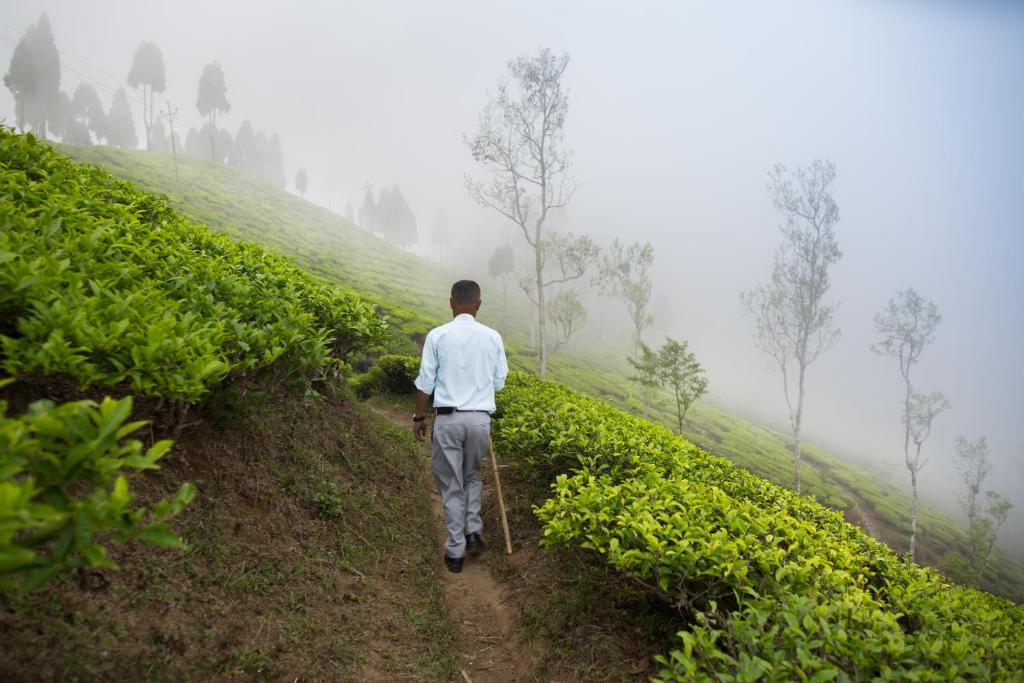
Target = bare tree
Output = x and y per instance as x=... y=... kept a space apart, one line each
x=560 y=259
x=625 y=273
x=998 y=512
x=907 y=326
x=519 y=141
x=983 y=528
x=502 y=267
x=923 y=409
x=567 y=315
x=794 y=324
x=973 y=465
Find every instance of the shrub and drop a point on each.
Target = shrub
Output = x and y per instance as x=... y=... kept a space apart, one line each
x=63 y=492
x=391 y=374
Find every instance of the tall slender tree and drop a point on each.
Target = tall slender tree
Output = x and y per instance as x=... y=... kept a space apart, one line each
x=88 y=108
x=906 y=327
x=368 y=210
x=974 y=467
x=147 y=71
x=625 y=273
x=567 y=317
x=33 y=77
x=502 y=266
x=520 y=144
x=794 y=322
x=982 y=525
x=120 y=127
x=212 y=98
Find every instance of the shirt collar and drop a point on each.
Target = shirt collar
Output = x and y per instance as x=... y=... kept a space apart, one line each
x=465 y=317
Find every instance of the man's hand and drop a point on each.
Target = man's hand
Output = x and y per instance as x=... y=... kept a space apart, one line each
x=419 y=429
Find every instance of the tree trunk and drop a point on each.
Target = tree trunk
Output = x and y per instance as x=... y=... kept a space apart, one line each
x=213 y=134
x=988 y=556
x=147 y=114
x=679 y=413
x=912 y=466
x=913 y=511
x=798 y=423
x=540 y=312
x=504 y=300
x=796 y=456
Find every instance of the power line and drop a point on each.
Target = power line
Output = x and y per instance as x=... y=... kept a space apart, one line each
x=93 y=79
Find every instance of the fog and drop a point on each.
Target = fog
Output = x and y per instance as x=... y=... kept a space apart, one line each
x=677 y=112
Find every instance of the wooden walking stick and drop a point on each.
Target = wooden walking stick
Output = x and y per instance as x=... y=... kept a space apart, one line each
x=501 y=498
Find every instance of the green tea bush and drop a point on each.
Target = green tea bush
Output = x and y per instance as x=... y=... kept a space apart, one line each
x=109 y=286
x=768 y=585
x=390 y=374
x=63 y=490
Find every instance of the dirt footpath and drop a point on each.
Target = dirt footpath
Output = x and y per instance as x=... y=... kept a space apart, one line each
x=490 y=646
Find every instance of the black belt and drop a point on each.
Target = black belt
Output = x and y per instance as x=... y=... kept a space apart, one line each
x=448 y=410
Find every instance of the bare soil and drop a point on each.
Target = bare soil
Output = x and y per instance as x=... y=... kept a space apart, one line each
x=311 y=559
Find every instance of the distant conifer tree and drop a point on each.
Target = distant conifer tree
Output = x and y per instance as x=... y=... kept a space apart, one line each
x=212 y=98
x=120 y=127
x=33 y=77
x=147 y=71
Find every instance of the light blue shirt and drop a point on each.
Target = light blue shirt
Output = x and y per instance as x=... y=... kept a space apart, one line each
x=463 y=364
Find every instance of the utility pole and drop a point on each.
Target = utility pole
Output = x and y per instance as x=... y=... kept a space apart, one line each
x=169 y=115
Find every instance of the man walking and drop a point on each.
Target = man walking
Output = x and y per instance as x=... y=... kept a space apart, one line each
x=463 y=364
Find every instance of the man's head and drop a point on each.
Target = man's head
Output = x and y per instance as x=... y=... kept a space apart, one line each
x=465 y=298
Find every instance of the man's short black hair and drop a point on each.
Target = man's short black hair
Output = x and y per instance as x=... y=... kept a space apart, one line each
x=466 y=292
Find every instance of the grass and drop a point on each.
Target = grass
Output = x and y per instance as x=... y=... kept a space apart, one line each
x=414 y=291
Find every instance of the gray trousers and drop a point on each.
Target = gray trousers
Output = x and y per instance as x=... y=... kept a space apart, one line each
x=459 y=443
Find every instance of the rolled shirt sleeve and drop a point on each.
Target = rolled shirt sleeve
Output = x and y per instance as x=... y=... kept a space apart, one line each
x=427 y=377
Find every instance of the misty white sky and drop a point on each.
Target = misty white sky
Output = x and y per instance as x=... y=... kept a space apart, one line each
x=678 y=110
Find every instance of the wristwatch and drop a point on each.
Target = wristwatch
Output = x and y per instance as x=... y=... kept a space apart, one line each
x=418 y=418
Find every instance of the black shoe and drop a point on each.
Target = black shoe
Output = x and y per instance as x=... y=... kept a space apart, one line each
x=454 y=564
x=474 y=544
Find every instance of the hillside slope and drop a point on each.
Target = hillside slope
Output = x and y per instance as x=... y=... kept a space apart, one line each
x=755 y=580
x=414 y=290
x=285 y=491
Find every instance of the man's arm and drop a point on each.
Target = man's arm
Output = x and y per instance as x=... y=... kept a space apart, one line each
x=501 y=367
x=419 y=428
x=425 y=381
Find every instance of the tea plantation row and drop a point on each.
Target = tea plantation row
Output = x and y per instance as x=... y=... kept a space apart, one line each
x=767 y=584
x=108 y=288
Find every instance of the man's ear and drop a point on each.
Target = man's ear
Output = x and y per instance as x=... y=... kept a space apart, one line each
x=477 y=307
